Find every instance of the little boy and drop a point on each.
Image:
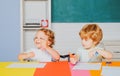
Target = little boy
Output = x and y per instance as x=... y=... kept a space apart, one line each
x=92 y=49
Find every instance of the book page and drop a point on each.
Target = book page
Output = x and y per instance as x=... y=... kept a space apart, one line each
x=110 y=71
x=26 y=65
x=87 y=66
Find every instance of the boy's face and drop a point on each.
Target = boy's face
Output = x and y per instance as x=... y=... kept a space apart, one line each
x=87 y=44
x=41 y=40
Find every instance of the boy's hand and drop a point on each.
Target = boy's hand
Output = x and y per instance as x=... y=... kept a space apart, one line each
x=73 y=59
x=91 y=53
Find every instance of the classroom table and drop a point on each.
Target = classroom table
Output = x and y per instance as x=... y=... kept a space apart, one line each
x=62 y=68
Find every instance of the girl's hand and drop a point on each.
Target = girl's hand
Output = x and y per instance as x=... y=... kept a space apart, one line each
x=25 y=55
x=44 y=44
x=22 y=56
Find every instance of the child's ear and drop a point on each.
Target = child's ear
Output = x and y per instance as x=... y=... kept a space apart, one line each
x=49 y=43
x=95 y=43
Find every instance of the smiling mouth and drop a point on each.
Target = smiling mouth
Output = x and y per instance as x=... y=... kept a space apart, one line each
x=37 y=43
x=83 y=45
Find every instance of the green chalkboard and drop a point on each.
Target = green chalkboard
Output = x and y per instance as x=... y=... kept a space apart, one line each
x=85 y=10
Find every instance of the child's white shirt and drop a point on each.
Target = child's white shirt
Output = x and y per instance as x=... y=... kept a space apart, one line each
x=40 y=55
x=84 y=54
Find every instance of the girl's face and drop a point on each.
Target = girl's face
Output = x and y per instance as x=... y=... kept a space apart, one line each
x=88 y=44
x=41 y=39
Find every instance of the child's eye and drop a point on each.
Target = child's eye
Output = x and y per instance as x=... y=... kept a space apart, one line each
x=35 y=38
x=42 y=38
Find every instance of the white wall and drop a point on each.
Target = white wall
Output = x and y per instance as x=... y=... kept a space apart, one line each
x=68 y=40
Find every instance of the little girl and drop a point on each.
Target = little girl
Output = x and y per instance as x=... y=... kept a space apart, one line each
x=44 y=40
x=92 y=49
